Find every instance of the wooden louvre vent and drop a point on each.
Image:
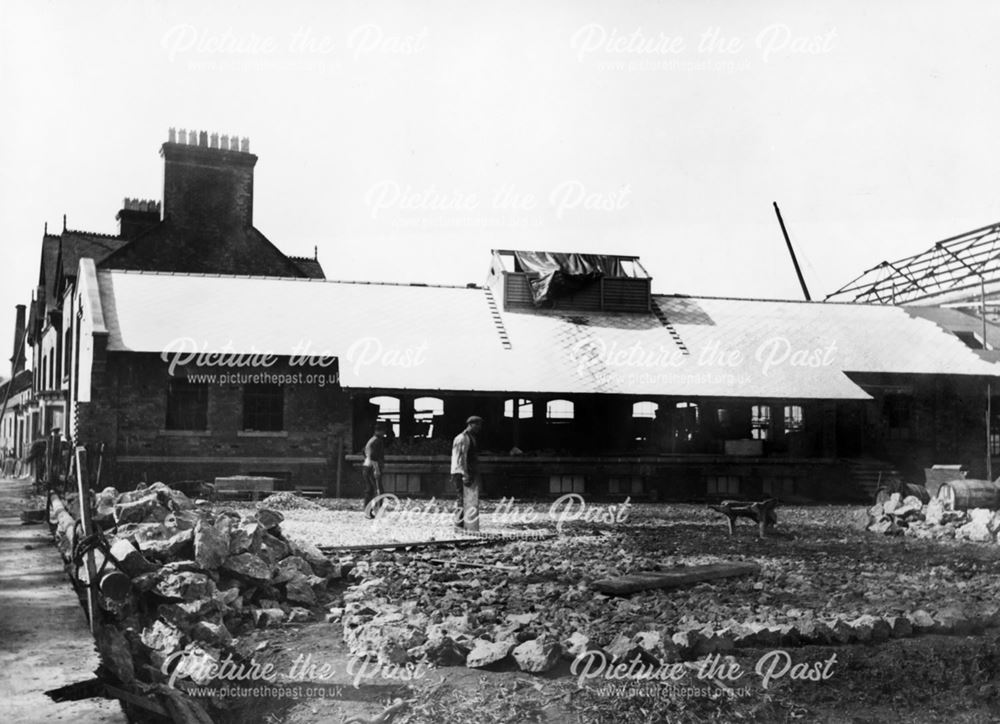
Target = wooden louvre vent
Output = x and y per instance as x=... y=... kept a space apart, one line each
x=628 y=289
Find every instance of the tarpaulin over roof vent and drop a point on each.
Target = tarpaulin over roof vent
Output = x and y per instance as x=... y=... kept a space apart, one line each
x=560 y=275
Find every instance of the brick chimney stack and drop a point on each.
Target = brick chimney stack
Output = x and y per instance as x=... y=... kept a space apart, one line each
x=17 y=358
x=136 y=216
x=207 y=181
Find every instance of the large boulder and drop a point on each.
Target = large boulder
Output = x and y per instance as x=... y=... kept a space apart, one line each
x=246 y=537
x=130 y=559
x=537 y=656
x=889 y=507
x=138 y=510
x=175 y=546
x=186 y=586
x=248 y=567
x=978 y=528
x=934 y=513
x=485 y=652
x=269 y=519
x=273 y=549
x=321 y=564
x=162 y=639
x=298 y=590
x=211 y=545
x=441 y=651
x=287 y=569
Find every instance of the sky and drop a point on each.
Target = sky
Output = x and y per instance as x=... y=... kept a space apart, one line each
x=406 y=139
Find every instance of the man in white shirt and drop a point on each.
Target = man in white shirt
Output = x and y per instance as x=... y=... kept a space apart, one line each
x=464 y=472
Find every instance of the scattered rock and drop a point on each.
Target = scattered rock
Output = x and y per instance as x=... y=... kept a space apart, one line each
x=269 y=519
x=891 y=504
x=248 y=567
x=186 y=586
x=934 y=512
x=485 y=652
x=137 y=510
x=921 y=621
x=211 y=545
x=537 y=656
x=578 y=643
x=173 y=547
x=443 y=651
x=298 y=590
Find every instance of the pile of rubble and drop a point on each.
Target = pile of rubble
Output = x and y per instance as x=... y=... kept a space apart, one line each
x=198 y=578
x=909 y=516
x=397 y=635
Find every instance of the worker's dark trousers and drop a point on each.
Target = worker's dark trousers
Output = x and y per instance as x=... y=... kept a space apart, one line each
x=372 y=488
x=456 y=480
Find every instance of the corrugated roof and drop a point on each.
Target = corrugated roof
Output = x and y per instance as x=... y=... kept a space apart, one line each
x=451 y=338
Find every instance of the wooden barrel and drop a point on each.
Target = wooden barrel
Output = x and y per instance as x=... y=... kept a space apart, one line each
x=969 y=493
x=905 y=490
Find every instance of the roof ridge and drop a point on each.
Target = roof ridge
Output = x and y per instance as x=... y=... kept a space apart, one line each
x=765 y=299
x=90 y=233
x=217 y=275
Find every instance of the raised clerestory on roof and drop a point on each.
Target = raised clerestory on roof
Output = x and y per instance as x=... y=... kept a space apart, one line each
x=570 y=281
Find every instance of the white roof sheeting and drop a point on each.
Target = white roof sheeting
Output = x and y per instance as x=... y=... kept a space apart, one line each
x=451 y=338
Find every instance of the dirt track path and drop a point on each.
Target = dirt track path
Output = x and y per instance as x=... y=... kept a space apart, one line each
x=44 y=639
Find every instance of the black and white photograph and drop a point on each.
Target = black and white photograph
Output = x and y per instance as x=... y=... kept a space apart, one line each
x=569 y=361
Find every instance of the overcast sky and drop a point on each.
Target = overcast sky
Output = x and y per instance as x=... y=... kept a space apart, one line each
x=406 y=139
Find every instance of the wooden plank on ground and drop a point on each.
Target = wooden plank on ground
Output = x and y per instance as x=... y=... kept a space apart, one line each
x=679 y=576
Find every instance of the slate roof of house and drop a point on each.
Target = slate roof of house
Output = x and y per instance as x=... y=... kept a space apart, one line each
x=168 y=248
x=421 y=337
x=20 y=383
x=79 y=244
x=309 y=266
x=61 y=254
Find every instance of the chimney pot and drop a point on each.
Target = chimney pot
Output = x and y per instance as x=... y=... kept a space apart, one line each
x=17 y=359
x=172 y=135
x=187 y=171
x=182 y=136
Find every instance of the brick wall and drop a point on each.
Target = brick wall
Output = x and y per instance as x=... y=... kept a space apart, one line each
x=128 y=414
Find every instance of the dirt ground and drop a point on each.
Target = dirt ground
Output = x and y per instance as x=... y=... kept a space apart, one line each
x=44 y=638
x=822 y=567
x=925 y=679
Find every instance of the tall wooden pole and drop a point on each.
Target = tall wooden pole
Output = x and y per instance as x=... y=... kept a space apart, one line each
x=791 y=251
x=83 y=494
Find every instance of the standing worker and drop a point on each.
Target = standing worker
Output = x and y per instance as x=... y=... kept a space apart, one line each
x=464 y=473
x=371 y=468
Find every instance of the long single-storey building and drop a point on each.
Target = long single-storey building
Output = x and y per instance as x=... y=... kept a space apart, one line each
x=592 y=385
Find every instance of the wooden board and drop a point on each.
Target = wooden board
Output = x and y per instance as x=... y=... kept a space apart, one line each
x=239 y=485
x=679 y=576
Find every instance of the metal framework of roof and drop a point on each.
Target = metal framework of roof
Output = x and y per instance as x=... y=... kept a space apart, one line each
x=953 y=272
